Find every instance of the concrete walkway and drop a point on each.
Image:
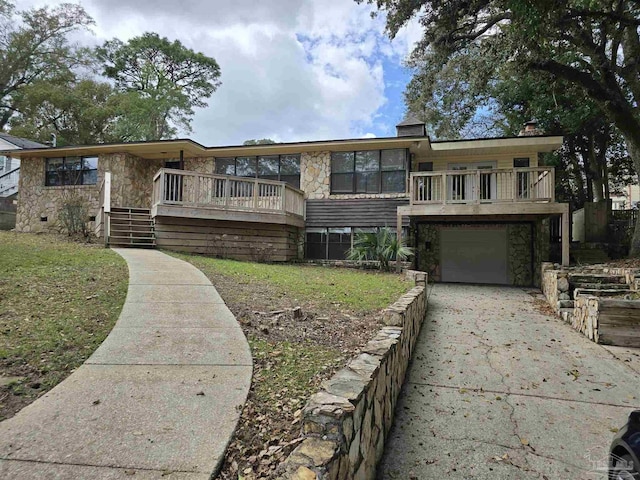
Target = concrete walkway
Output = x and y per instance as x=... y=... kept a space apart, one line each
x=160 y=397
x=498 y=390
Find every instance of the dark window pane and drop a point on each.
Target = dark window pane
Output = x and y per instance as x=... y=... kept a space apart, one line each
x=367 y=182
x=290 y=165
x=393 y=182
x=316 y=244
x=521 y=162
x=268 y=167
x=393 y=159
x=425 y=167
x=225 y=166
x=368 y=161
x=342 y=182
x=342 y=162
x=339 y=243
x=89 y=177
x=293 y=180
x=55 y=172
x=246 y=166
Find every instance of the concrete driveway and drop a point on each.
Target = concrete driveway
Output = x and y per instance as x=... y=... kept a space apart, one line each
x=498 y=389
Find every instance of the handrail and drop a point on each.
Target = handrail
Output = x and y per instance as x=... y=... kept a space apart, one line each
x=9 y=173
x=226 y=192
x=474 y=186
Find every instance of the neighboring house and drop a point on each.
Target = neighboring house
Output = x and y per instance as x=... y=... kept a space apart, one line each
x=475 y=210
x=9 y=164
x=629 y=198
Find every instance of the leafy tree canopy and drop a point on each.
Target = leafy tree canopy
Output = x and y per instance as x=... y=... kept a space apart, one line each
x=262 y=141
x=589 y=46
x=165 y=80
x=34 y=46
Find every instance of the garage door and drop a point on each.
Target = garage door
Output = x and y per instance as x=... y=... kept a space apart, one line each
x=474 y=255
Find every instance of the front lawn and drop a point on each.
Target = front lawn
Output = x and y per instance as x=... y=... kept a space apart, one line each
x=293 y=351
x=58 y=301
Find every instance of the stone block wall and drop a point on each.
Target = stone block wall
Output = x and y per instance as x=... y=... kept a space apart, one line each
x=345 y=424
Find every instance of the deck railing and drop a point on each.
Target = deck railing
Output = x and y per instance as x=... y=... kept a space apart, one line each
x=193 y=189
x=535 y=184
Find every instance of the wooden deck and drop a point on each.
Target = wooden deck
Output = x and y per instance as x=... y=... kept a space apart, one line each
x=179 y=193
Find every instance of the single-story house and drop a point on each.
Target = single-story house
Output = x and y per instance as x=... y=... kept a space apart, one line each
x=475 y=210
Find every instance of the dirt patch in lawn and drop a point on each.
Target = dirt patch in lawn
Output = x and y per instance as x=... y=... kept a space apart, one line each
x=303 y=323
x=59 y=300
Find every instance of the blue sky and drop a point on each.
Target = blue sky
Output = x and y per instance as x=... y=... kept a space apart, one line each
x=292 y=70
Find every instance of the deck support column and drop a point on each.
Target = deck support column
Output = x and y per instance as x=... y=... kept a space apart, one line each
x=566 y=230
x=399 y=237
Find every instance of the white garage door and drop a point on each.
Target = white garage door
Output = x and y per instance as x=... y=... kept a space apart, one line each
x=474 y=255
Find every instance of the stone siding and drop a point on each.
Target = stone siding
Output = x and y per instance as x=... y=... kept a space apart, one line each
x=519 y=254
x=38 y=206
x=345 y=425
x=315 y=174
x=541 y=248
x=131 y=178
x=200 y=164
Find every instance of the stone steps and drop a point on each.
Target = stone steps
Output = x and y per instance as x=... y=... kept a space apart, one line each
x=594 y=292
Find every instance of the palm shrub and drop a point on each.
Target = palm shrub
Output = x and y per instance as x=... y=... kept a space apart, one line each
x=383 y=246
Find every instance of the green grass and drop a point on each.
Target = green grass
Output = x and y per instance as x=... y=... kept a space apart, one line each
x=356 y=289
x=288 y=368
x=59 y=301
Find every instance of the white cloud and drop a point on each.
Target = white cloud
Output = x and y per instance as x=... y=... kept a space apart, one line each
x=291 y=70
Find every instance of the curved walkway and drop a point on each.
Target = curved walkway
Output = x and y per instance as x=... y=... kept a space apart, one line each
x=159 y=398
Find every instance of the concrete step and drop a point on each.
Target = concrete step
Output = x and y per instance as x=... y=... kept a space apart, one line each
x=601 y=292
x=601 y=286
x=576 y=278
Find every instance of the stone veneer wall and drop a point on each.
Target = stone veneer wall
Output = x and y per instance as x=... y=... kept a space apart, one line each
x=345 y=424
x=541 y=248
x=37 y=201
x=315 y=174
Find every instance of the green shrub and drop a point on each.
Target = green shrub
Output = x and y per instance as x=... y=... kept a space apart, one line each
x=382 y=246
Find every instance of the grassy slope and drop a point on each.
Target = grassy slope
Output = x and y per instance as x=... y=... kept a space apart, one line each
x=288 y=371
x=363 y=291
x=59 y=301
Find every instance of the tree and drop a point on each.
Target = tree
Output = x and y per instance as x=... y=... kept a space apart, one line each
x=593 y=45
x=262 y=141
x=79 y=112
x=34 y=46
x=164 y=80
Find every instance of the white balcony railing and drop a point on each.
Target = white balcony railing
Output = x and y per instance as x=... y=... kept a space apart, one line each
x=224 y=192
x=535 y=184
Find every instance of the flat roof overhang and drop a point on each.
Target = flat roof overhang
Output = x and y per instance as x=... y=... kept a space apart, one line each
x=170 y=149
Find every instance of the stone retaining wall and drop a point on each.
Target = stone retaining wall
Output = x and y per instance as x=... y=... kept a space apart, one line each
x=345 y=424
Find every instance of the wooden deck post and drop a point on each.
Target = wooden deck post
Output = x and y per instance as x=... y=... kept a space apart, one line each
x=566 y=230
x=399 y=238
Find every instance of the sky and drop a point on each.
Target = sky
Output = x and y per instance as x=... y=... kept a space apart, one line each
x=291 y=70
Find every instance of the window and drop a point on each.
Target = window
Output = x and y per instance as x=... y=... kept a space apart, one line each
x=334 y=243
x=284 y=168
x=369 y=171
x=71 y=171
x=342 y=167
x=339 y=243
x=521 y=163
x=316 y=244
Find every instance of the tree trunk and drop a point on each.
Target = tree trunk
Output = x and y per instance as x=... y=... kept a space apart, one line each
x=633 y=148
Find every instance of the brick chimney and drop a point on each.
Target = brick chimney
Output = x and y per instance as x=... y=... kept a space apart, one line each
x=530 y=129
